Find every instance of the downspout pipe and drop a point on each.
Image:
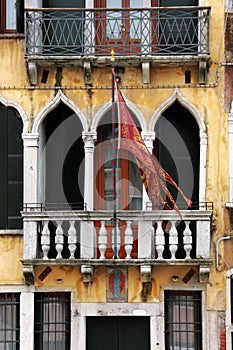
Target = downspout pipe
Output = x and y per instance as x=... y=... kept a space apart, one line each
x=217 y=245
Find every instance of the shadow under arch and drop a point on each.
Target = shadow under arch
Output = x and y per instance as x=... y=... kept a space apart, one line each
x=194 y=118
x=61 y=159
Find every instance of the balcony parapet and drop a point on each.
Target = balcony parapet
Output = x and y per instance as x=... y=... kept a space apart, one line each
x=139 y=36
x=144 y=238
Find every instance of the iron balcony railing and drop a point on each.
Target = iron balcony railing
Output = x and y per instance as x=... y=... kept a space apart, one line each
x=139 y=32
x=158 y=235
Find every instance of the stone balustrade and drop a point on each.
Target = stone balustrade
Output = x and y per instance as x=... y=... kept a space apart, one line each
x=158 y=235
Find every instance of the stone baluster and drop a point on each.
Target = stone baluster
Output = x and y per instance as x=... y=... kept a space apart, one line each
x=45 y=240
x=103 y=239
x=59 y=239
x=159 y=239
x=72 y=239
x=173 y=239
x=128 y=239
x=187 y=240
x=118 y=240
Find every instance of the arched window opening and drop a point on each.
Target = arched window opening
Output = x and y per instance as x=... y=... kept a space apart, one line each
x=177 y=147
x=61 y=185
x=129 y=184
x=62 y=160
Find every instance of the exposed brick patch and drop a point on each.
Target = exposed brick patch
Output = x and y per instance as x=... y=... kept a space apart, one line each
x=222 y=339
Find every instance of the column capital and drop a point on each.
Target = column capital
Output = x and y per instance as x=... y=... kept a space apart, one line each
x=203 y=138
x=30 y=139
x=230 y=117
x=148 y=136
x=89 y=138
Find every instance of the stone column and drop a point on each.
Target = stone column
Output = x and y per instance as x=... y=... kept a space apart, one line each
x=30 y=192
x=89 y=139
x=27 y=320
x=30 y=167
x=202 y=180
x=148 y=138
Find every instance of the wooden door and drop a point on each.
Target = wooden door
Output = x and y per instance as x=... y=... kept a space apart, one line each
x=129 y=185
x=120 y=29
x=118 y=333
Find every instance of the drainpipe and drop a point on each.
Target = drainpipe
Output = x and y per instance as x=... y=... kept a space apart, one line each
x=217 y=244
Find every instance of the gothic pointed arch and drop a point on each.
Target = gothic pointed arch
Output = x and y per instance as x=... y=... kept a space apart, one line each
x=19 y=109
x=178 y=122
x=129 y=183
x=184 y=102
x=61 y=154
x=107 y=107
x=60 y=97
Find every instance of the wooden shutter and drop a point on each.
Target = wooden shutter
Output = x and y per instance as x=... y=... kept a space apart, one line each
x=11 y=174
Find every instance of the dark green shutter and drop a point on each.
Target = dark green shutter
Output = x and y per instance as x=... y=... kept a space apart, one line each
x=3 y=167
x=11 y=174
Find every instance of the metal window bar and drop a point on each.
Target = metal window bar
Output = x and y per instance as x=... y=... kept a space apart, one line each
x=9 y=321
x=141 y=32
x=183 y=327
x=52 y=321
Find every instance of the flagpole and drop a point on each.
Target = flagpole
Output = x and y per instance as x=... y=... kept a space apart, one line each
x=114 y=158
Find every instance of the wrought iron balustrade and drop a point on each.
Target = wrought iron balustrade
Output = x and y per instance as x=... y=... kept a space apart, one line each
x=158 y=235
x=139 y=32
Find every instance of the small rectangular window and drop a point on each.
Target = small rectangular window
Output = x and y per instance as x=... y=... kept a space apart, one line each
x=11 y=16
x=183 y=323
x=52 y=321
x=9 y=321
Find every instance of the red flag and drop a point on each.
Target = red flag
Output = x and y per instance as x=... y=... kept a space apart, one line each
x=153 y=176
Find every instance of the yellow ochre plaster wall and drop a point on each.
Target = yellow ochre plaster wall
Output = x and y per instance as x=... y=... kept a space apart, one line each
x=208 y=101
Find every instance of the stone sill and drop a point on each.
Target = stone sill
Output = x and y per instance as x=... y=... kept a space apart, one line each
x=116 y=262
x=7 y=36
x=12 y=232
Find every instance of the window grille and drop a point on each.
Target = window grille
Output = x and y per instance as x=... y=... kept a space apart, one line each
x=52 y=321
x=183 y=328
x=9 y=321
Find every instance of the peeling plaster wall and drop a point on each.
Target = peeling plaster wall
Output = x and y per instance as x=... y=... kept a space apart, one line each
x=11 y=248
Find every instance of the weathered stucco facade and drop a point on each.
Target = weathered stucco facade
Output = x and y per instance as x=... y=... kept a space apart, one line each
x=87 y=92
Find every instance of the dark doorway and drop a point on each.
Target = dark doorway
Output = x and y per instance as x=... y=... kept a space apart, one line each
x=118 y=333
